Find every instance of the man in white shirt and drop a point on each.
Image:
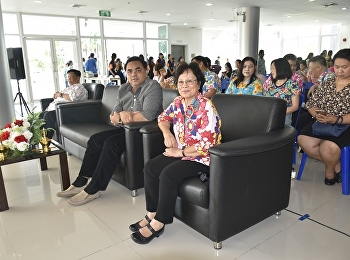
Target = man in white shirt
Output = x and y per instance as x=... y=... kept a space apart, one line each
x=74 y=92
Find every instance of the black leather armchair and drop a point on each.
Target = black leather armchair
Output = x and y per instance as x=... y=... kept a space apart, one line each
x=78 y=121
x=249 y=171
x=95 y=91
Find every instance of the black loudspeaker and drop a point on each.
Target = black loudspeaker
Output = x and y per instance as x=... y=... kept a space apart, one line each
x=15 y=56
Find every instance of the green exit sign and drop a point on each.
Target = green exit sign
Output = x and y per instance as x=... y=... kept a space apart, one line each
x=105 y=13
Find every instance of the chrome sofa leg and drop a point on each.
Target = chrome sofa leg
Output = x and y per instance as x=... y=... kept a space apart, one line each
x=134 y=193
x=217 y=245
x=278 y=213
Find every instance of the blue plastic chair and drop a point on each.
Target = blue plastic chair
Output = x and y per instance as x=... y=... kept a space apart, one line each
x=224 y=85
x=345 y=169
x=301 y=100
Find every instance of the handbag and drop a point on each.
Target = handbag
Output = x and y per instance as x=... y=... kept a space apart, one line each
x=328 y=129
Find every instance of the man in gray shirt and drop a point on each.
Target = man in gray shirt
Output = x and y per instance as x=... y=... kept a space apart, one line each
x=140 y=99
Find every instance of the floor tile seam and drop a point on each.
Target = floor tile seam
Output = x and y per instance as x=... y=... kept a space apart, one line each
x=13 y=247
x=109 y=228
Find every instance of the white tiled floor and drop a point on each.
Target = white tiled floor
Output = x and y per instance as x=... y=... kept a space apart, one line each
x=40 y=225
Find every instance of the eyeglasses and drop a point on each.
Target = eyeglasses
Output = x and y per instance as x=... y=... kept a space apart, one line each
x=188 y=82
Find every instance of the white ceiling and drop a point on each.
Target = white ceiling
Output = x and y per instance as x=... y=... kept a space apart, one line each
x=193 y=12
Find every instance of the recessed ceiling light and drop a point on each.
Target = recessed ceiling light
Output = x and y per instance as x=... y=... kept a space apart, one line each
x=344 y=8
x=289 y=16
x=317 y=20
x=311 y=0
x=211 y=19
x=168 y=14
x=37 y=1
x=185 y=23
x=208 y=4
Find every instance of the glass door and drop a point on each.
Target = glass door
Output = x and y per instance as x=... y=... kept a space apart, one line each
x=47 y=60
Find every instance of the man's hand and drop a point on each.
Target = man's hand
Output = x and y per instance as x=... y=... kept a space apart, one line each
x=126 y=116
x=56 y=95
x=114 y=118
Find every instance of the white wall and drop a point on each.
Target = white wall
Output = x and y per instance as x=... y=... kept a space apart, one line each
x=190 y=38
x=344 y=33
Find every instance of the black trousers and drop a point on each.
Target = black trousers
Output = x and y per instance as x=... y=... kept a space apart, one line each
x=162 y=178
x=101 y=159
x=50 y=121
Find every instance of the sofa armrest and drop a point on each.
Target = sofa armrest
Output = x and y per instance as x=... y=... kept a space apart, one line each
x=134 y=154
x=153 y=141
x=45 y=102
x=79 y=112
x=252 y=176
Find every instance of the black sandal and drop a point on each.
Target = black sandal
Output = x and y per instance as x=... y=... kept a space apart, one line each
x=136 y=226
x=137 y=237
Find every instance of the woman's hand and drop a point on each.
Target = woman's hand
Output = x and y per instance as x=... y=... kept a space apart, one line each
x=169 y=140
x=173 y=152
x=326 y=119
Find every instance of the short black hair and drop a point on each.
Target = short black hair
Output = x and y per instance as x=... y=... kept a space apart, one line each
x=194 y=67
x=283 y=69
x=75 y=72
x=319 y=59
x=158 y=66
x=92 y=55
x=202 y=59
x=136 y=58
x=342 y=54
x=290 y=56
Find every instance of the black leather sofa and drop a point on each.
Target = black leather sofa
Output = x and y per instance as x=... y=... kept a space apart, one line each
x=95 y=91
x=249 y=171
x=78 y=121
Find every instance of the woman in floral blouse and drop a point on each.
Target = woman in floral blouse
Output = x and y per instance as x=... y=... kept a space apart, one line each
x=196 y=128
x=283 y=87
x=212 y=82
x=246 y=82
x=332 y=101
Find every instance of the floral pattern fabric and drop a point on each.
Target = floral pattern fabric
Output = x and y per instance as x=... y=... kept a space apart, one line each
x=285 y=92
x=197 y=125
x=212 y=81
x=326 y=98
x=250 y=88
x=295 y=77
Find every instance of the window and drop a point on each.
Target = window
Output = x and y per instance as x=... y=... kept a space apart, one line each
x=156 y=30
x=10 y=23
x=49 y=25
x=124 y=29
x=89 y=27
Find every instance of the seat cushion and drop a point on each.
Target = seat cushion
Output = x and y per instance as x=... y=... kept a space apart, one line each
x=80 y=133
x=195 y=191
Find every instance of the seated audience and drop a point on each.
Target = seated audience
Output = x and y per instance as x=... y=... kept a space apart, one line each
x=303 y=70
x=246 y=82
x=235 y=71
x=282 y=86
x=212 y=82
x=329 y=105
x=228 y=71
x=138 y=100
x=196 y=127
x=74 y=92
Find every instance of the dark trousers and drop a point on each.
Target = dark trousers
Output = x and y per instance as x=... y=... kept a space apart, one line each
x=101 y=159
x=50 y=121
x=162 y=178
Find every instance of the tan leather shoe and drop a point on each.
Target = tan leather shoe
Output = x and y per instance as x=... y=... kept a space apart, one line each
x=71 y=191
x=82 y=198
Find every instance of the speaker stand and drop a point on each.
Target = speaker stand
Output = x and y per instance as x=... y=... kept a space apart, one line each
x=22 y=101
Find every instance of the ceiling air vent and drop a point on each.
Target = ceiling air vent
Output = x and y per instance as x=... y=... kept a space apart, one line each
x=77 y=6
x=329 y=5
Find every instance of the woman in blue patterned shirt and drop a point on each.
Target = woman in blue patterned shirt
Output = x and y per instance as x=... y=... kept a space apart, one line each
x=246 y=82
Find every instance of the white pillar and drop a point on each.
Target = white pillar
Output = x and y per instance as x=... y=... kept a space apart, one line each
x=249 y=39
x=7 y=111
